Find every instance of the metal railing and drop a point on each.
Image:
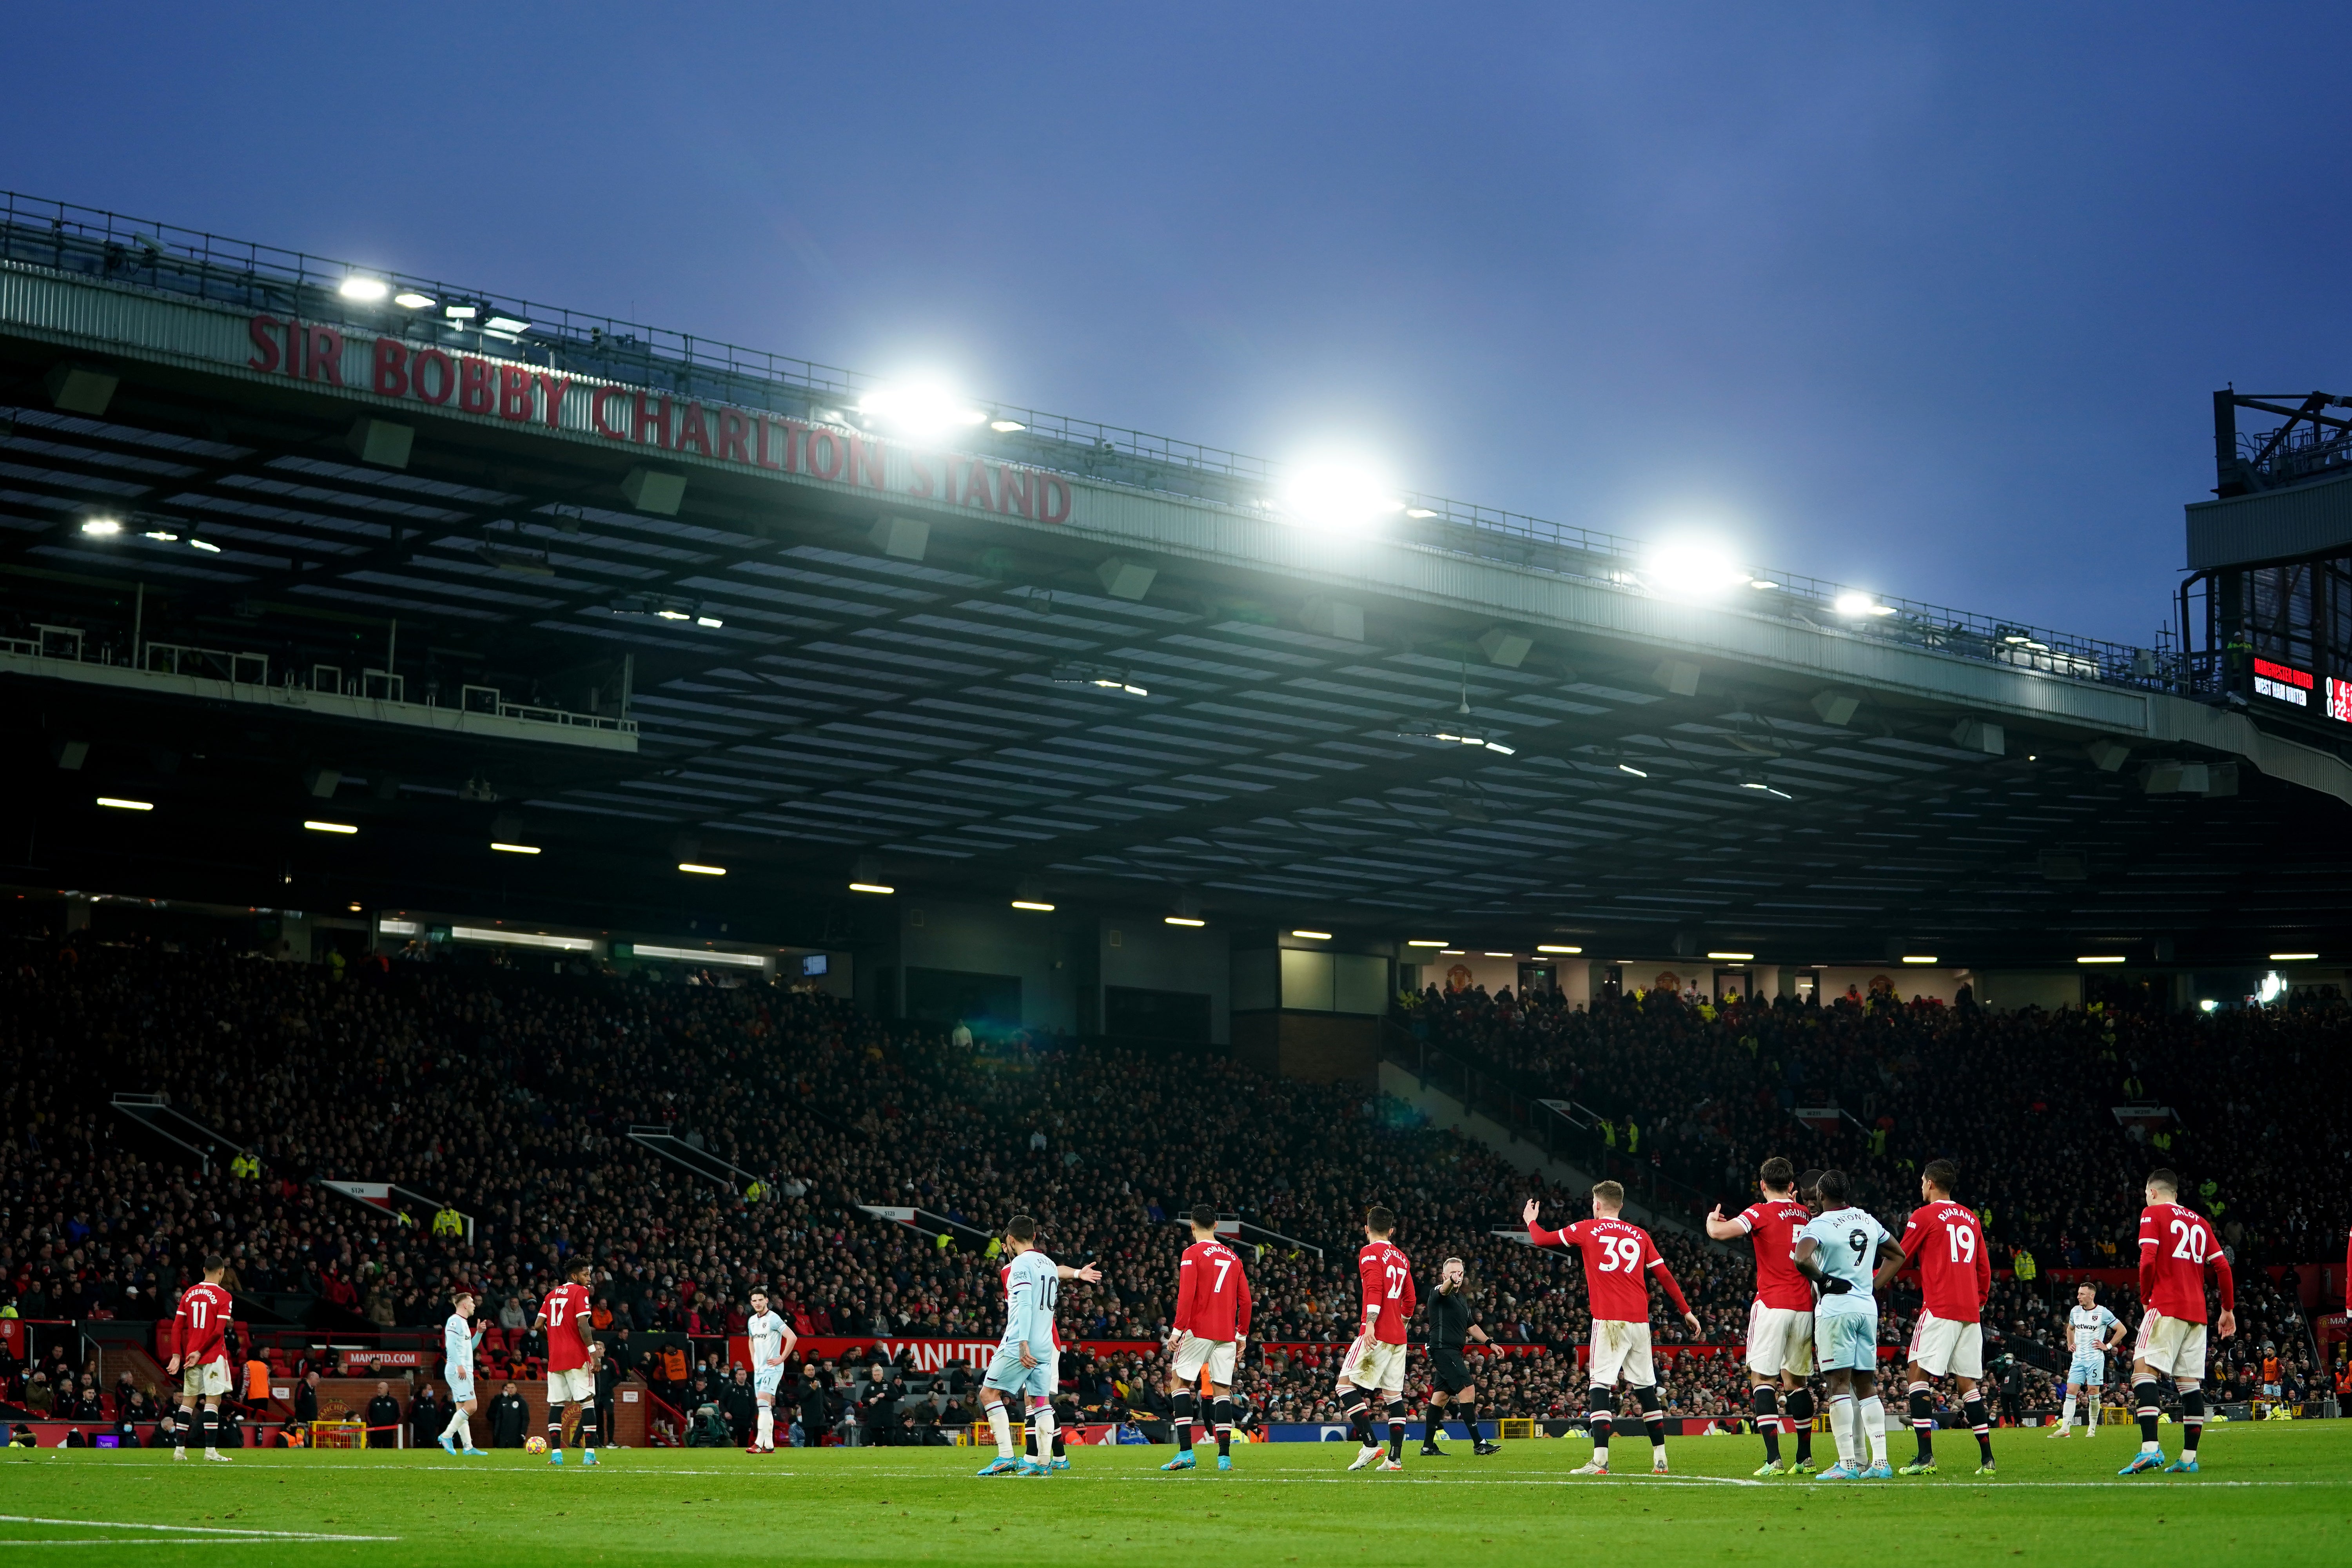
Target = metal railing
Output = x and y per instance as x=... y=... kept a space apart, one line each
x=193 y=263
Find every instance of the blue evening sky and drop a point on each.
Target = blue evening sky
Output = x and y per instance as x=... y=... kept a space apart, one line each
x=1923 y=298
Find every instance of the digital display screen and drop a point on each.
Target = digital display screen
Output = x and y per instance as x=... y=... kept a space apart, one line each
x=814 y=962
x=2283 y=683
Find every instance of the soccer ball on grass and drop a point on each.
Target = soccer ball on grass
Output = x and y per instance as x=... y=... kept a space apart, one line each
x=535 y=1446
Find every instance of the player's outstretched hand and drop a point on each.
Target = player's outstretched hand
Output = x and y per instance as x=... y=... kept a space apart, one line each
x=1715 y=1214
x=1528 y=1214
x=1834 y=1286
x=1690 y=1320
x=1090 y=1274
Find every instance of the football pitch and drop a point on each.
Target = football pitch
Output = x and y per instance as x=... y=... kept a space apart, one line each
x=2270 y=1493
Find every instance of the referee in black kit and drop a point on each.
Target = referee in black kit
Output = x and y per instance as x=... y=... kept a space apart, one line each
x=1453 y=1324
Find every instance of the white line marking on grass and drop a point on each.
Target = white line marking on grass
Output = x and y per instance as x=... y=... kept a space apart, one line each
x=191 y=1529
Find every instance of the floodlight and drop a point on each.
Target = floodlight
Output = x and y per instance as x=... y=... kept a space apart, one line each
x=158 y=534
x=1313 y=935
x=1036 y=906
x=922 y=408
x=103 y=526
x=514 y=848
x=1736 y=956
x=1763 y=582
x=1555 y=947
x=411 y=299
x=2102 y=958
x=1419 y=513
x=461 y=312
x=499 y=322
x=1630 y=768
x=2270 y=988
x=2292 y=957
x=1336 y=496
x=1006 y=427
x=206 y=545
x=121 y=805
x=1426 y=942
x=1499 y=955
x=368 y=288
x=2207 y=1005
x=1919 y=958
x=1855 y=605
x=1182 y=920
x=1691 y=569
x=871 y=887
x=691 y=869
x=713 y=622
x=330 y=827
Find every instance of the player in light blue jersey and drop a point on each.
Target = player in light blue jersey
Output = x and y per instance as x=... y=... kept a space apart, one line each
x=458 y=1338
x=1024 y=1357
x=772 y=1341
x=2091 y=1332
x=1837 y=1249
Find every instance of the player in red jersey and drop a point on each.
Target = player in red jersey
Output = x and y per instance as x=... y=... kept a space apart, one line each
x=2176 y=1247
x=571 y=1356
x=1619 y=1258
x=1377 y=1367
x=200 y=1331
x=1781 y=1318
x=1213 y=1318
x=1946 y=1241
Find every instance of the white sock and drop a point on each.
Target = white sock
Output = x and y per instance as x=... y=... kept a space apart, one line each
x=462 y=1431
x=1000 y=1423
x=767 y=1427
x=1041 y=1423
x=2067 y=1417
x=1873 y=1422
x=1838 y=1428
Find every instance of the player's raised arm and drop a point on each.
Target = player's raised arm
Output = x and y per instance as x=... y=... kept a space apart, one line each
x=1537 y=1233
x=1721 y=1229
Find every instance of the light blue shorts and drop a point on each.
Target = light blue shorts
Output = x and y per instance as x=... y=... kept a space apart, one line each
x=767 y=1380
x=1845 y=1340
x=2088 y=1374
x=1005 y=1372
x=461 y=1386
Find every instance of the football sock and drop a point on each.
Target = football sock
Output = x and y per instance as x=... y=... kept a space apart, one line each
x=1768 y=1422
x=1029 y=1436
x=588 y=1427
x=2144 y=1396
x=1654 y=1416
x=1801 y=1416
x=461 y=1431
x=1057 y=1440
x=1980 y=1423
x=1000 y=1424
x=1359 y=1418
x=1468 y=1410
x=555 y=1429
x=767 y=1427
x=2067 y=1417
x=210 y=1423
x=1432 y=1423
x=1396 y=1428
x=2192 y=1419
x=1040 y=1428
x=1923 y=1421
x=1605 y=1419
x=1874 y=1426
x=1839 y=1406
x=1221 y=1416
x=1185 y=1403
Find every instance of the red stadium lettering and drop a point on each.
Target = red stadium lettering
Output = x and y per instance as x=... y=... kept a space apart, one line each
x=1012 y=497
x=653 y=417
x=477 y=387
x=734 y=436
x=919 y=474
x=1053 y=499
x=265 y=356
x=827 y=466
x=391 y=359
x=866 y=466
x=515 y=394
x=691 y=431
x=445 y=381
x=552 y=388
x=975 y=483
x=602 y=396
x=323 y=351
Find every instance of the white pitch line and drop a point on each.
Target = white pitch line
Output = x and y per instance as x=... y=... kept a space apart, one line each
x=195 y=1530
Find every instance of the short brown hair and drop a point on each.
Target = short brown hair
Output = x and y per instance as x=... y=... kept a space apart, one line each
x=2165 y=1180
x=1609 y=1193
x=1021 y=1227
x=1778 y=1172
x=1944 y=1174
x=1378 y=1220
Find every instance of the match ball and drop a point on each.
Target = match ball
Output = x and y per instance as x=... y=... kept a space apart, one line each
x=535 y=1446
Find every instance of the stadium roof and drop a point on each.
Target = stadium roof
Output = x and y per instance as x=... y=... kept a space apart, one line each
x=1465 y=719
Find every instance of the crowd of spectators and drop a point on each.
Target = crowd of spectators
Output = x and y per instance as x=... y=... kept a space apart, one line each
x=509 y=1096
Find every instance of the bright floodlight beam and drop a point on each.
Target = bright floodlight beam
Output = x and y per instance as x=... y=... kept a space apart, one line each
x=1335 y=494
x=368 y=290
x=1692 y=569
x=922 y=408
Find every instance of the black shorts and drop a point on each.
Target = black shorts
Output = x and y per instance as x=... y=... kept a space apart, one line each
x=1449 y=1371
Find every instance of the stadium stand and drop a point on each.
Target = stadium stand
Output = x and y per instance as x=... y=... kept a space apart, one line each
x=507 y=1095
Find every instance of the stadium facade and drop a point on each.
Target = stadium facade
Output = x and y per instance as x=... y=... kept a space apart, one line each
x=385 y=600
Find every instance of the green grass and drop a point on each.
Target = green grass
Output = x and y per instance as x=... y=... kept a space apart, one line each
x=2270 y=1493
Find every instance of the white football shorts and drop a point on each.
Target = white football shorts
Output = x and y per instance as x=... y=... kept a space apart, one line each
x=1378 y=1364
x=1193 y=1352
x=2171 y=1347
x=577 y=1386
x=1943 y=1347
x=767 y=1379
x=1621 y=1350
x=1779 y=1340
x=209 y=1381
